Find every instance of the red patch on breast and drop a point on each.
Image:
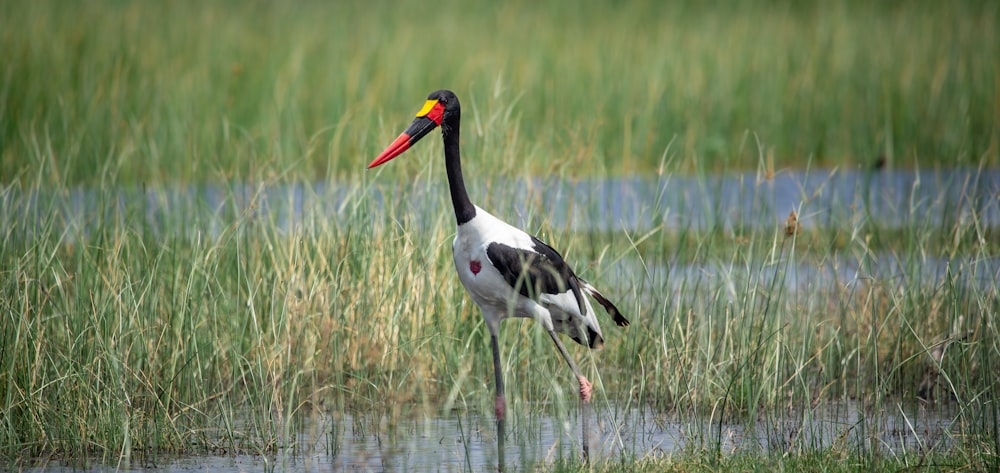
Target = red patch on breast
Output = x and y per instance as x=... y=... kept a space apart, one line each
x=475 y=266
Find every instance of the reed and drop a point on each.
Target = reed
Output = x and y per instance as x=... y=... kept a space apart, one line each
x=189 y=92
x=191 y=259
x=220 y=322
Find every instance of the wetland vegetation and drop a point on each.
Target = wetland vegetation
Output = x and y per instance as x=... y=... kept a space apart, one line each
x=134 y=323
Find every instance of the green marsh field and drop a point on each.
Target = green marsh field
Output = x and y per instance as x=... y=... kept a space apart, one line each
x=154 y=301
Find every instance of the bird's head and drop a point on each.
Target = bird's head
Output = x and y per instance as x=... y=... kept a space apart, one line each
x=440 y=109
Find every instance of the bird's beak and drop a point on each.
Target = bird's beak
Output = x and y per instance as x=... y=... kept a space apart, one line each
x=428 y=118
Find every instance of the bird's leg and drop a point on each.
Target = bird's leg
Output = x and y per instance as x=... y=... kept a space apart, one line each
x=585 y=388
x=585 y=391
x=501 y=403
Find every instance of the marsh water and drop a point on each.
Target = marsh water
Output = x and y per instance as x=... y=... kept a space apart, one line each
x=465 y=441
x=845 y=201
x=821 y=199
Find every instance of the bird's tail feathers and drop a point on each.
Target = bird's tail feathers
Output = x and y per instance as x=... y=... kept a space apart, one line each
x=608 y=306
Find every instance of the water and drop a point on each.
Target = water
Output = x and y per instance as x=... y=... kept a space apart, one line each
x=839 y=199
x=822 y=199
x=465 y=442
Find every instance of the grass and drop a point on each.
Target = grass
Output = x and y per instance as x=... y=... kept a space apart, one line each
x=138 y=93
x=219 y=327
x=136 y=322
x=825 y=462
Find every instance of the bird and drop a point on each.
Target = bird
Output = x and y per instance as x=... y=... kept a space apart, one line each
x=506 y=271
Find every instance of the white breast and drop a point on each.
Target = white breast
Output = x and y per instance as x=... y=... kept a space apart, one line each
x=487 y=287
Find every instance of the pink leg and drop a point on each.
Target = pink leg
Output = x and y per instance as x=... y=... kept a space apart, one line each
x=501 y=407
x=585 y=389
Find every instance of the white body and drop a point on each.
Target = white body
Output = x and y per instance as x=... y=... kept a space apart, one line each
x=496 y=298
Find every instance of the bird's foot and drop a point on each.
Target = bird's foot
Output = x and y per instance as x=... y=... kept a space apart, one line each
x=501 y=407
x=585 y=389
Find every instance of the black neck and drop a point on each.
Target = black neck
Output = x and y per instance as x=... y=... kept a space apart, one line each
x=464 y=210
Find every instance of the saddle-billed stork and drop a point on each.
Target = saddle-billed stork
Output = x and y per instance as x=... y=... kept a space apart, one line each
x=507 y=272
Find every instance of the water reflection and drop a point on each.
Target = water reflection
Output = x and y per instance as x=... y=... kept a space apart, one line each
x=464 y=442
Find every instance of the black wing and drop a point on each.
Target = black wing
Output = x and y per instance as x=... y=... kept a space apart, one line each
x=536 y=271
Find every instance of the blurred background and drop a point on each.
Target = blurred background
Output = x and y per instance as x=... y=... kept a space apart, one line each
x=184 y=91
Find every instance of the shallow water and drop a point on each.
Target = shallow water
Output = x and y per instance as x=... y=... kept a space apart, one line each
x=465 y=442
x=822 y=198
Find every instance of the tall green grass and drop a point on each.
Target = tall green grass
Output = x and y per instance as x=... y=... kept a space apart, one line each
x=216 y=328
x=186 y=91
x=124 y=338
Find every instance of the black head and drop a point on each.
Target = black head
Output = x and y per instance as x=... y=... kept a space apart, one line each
x=452 y=109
